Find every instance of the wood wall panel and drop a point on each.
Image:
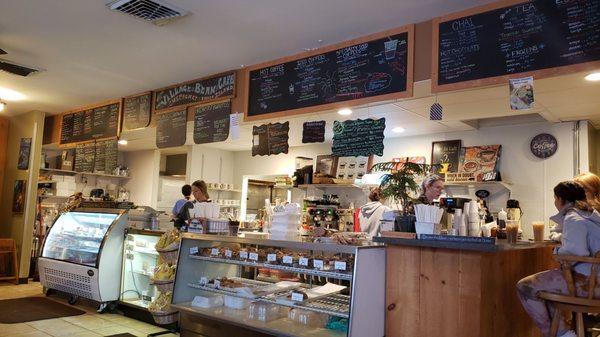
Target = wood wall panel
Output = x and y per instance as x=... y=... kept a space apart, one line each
x=403 y=265
x=3 y=144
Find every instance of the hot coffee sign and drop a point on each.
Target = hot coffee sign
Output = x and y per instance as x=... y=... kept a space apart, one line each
x=543 y=145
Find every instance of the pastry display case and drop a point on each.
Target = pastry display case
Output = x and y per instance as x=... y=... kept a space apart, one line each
x=279 y=287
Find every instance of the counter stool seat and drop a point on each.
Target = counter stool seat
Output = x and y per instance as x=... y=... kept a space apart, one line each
x=572 y=303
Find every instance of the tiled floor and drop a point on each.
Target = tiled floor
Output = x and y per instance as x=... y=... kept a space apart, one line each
x=90 y=324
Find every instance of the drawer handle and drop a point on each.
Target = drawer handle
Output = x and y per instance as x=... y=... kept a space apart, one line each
x=391 y=307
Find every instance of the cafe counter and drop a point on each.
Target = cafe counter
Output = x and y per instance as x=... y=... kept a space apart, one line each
x=438 y=288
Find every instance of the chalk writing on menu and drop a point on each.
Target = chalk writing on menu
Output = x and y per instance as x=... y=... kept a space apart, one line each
x=100 y=158
x=367 y=69
x=270 y=139
x=171 y=129
x=211 y=122
x=313 y=132
x=110 y=156
x=97 y=123
x=84 y=157
x=222 y=86
x=136 y=111
x=529 y=36
x=360 y=137
x=446 y=152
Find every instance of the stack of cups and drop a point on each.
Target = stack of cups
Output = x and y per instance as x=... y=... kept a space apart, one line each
x=474 y=224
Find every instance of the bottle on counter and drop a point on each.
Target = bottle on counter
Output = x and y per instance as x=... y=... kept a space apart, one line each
x=502 y=217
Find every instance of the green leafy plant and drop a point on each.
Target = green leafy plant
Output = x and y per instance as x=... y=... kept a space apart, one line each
x=399 y=181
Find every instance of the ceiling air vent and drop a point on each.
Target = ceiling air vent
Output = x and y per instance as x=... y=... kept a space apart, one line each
x=156 y=11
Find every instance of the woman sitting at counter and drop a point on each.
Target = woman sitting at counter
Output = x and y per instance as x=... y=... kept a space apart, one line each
x=200 y=193
x=581 y=237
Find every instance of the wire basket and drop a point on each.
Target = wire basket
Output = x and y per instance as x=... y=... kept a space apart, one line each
x=165 y=317
x=164 y=286
x=169 y=255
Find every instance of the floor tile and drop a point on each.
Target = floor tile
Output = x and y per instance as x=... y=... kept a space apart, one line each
x=9 y=330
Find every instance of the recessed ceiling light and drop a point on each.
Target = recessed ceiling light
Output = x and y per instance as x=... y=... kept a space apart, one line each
x=593 y=76
x=398 y=129
x=345 y=112
x=122 y=142
x=11 y=95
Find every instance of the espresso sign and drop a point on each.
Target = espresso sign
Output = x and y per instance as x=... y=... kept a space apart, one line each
x=91 y=124
x=361 y=70
x=270 y=139
x=313 y=132
x=526 y=37
x=543 y=145
x=211 y=122
x=446 y=154
x=171 y=128
x=136 y=111
x=360 y=137
x=222 y=86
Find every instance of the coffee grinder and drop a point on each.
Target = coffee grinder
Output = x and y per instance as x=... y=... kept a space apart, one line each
x=513 y=211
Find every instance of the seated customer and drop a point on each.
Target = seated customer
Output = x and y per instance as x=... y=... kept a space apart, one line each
x=581 y=237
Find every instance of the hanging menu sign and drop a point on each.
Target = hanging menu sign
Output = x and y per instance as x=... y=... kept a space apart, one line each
x=84 y=157
x=171 y=129
x=533 y=36
x=91 y=124
x=110 y=155
x=211 y=122
x=313 y=132
x=270 y=139
x=221 y=86
x=100 y=157
x=375 y=66
x=136 y=111
x=360 y=137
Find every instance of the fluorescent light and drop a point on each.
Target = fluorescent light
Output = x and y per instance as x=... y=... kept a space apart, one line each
x=593 y=76
x=345 y=112
x=122 y=142
x=11 y=95
x=2 y=106
x=398 y=129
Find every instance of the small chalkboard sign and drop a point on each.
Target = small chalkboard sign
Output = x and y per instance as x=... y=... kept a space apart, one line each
x=171 y=129
x=313 y=132
x=196 y=91
x=136 y=111
x=110 y=155
x=543 y=145
x=84 y=157
x=270 y=139
x=211 y=122
x=100 y=157
x=446 y=154
x=97 y=123
x=360 y=137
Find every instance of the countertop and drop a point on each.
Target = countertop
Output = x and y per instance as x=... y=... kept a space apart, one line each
x=501 y=245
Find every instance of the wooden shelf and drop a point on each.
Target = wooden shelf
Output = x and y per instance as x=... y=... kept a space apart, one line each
x=494 y=187
x=224 y=190
x=72 y=173
x=46 y=182
x=329 y=186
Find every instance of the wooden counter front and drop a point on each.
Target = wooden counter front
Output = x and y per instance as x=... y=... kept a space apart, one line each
x=460 y=293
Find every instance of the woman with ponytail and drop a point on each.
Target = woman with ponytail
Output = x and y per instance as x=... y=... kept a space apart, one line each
x=591 y=184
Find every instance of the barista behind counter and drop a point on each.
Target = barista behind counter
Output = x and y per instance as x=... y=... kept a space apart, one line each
x=200 y=193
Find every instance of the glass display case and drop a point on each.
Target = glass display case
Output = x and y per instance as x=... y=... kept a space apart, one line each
x=276 y=287
x=76 y=237
x=139 y=260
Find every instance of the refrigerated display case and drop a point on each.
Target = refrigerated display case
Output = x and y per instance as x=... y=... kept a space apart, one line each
x=139 y=260
x=239 y=286
x=80 y=251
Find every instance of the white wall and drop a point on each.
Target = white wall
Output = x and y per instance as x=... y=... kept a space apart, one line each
x=144 y=168
x=532 y=178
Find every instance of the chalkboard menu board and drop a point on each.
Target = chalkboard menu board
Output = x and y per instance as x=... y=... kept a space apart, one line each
x=504 y=39
x=84 y=157
x=91 y=124
x=270 y=139
x=211 y=122
x=136 y=111
x=106 y=157
x=360 y=137
x=313 y=132
x=100 y=157
x=220 y=86
x=171 y=129
x=361 y=69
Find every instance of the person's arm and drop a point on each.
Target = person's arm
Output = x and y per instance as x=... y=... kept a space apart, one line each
x=574 y=236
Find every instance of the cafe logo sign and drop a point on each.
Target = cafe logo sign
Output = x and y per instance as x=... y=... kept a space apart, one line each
x=543 y=145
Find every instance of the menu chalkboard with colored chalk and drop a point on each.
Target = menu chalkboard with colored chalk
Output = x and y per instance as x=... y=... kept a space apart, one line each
x=506 y=38
x=171 y=129
x=313 y=132
x=206 y=89
x=91 y=124
x=270 y=139
x=360 y=69
x=211 y=122
x=360 y=137
x=136 y=111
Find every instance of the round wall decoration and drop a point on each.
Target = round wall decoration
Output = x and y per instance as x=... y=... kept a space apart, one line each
x=482 y=194
x=543 y=145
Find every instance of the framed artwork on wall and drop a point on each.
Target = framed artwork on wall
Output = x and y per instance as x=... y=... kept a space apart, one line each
x=19 y=196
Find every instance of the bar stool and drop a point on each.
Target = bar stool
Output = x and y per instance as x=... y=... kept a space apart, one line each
x=8 y=255
x=572 y=303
